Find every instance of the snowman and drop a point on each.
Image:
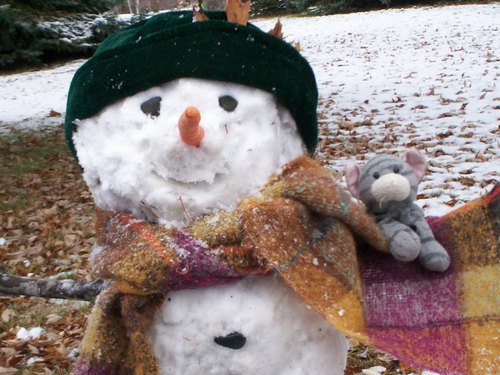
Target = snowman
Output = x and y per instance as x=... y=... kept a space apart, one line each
x=175 y=121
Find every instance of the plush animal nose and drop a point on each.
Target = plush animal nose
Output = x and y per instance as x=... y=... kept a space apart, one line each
x=391 y=187
x=189 y=126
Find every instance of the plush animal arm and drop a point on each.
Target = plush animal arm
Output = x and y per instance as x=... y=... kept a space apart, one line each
x=404 y=243
x=388 y=187
x=432 y=255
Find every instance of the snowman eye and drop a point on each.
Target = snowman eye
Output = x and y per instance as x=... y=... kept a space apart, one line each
x=234 y=340
x=151 y=106
x=228 y=103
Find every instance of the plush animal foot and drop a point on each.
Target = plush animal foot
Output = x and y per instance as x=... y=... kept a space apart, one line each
x=434 y=257
x=405 y=246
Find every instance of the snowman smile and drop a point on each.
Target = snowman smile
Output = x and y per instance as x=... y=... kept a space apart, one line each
x=179 y=178
x=187 y=164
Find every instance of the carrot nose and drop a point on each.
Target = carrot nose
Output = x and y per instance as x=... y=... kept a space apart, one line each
x=189 y=127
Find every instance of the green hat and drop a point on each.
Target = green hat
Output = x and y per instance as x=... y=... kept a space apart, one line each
x=169 y=46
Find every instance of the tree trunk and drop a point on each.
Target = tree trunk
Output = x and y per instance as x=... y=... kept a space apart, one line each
x=129 y=3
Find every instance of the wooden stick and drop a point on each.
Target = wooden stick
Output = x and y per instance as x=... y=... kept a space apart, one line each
x=49 y=288
x=185 y=211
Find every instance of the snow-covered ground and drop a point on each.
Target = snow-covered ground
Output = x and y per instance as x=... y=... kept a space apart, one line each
x=27 y=99
x=426 y=78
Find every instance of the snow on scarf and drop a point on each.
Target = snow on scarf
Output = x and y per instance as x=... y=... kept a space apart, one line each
x=321 y=243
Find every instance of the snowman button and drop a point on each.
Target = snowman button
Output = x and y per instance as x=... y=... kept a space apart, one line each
x=228 y=103
x=152 y=106
x=234 y=340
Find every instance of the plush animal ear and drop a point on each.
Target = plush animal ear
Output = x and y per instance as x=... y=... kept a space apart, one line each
x=416 y=162
x=352 y=173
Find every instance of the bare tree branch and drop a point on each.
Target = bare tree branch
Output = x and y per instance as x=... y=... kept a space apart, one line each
x=49 y=288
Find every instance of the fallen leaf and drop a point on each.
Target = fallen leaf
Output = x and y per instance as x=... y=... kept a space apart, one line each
x=33 y=349
x=8 y=370
x=238 y=11
x=7 y=314
x=277 y=30
x=53 y=318
x=445 y=134
x=446 y=114
x=199 y=16
x=346 y=125
x=467 y=181
x=55 y=352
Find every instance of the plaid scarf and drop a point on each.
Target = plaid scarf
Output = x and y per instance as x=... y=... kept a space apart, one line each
x=323 y=245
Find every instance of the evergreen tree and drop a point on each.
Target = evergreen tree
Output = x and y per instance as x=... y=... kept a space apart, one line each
x=39 y=31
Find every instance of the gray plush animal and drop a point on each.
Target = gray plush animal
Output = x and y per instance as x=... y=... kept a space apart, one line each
x=387 y=185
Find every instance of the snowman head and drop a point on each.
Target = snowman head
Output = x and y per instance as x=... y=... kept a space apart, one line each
x=254 y=94
x=133 y=153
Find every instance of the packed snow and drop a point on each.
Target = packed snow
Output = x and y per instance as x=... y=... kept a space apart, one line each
x=27 y=99
x=33 y=360
x=29 y=334
x=375 y=370
x=388 y=80
x=275 y=323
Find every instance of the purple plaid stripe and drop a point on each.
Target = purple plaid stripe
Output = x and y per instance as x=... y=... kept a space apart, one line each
x=398 y=294
x=442 y=349
x=198 y=267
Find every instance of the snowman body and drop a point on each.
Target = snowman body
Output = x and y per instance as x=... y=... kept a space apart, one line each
x=135 y=162
x=253 y=326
